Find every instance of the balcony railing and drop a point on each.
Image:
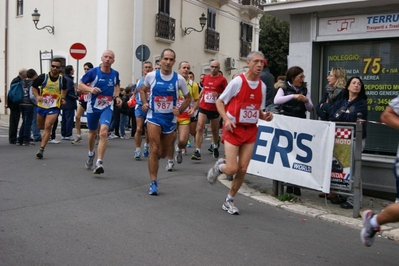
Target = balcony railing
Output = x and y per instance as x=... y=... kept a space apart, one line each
x=254 y=3
x=165 y=27
x=212 y=40
x=245 y=48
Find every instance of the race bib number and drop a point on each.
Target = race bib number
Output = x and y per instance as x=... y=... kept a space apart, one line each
x=49 y=100
x=179 y=102
x=249 y=113
x=209 y=98
x=85 y=97
x=163 y=104
x=102 y=102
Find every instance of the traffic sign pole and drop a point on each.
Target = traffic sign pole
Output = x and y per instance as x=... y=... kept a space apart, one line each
x=77 y=72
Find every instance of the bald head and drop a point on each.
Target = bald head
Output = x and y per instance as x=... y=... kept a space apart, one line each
x=108 y=58
x=215 y=67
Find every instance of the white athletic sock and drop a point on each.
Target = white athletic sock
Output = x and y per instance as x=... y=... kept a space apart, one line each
x=220 y=168
x=373 y=221
x=91 y=153
x=229 y=198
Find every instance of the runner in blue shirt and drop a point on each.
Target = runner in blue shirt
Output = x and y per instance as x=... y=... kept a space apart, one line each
x=103 y=89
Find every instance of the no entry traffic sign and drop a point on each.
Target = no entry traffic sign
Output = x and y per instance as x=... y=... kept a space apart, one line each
x=78 y=51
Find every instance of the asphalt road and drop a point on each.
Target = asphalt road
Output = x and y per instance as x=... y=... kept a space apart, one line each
x=55 y=212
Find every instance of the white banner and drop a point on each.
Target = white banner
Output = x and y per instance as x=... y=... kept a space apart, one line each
x=296 y=151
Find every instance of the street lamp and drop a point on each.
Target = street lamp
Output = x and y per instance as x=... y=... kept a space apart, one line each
x=36 y=18
x=202 y=20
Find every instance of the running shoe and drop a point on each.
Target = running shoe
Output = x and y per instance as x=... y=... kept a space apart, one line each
x=39 y=154
x=179 y=157
x=66 y=138
x=214 y=172
x=137 y=153
x=77 y=140
x=153 y=188
x=230 y=208
x=28 y=143
x=184 y=151
x=170 y=167
x=229 y=177
x=112 y=136
x=99 y=168
x=196 y=156
x=188 y=143
x=89 y=162
x=54 y=141
x=146 y=151
x=368 y=231
x=210 y=149
x=216 y=153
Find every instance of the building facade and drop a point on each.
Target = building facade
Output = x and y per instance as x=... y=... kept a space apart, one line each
x=230 y=33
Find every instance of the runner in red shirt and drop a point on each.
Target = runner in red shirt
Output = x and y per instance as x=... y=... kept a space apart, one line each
x=240 y=106
x=213 y=85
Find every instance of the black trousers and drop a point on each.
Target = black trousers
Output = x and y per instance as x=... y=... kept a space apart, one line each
x=15 y=115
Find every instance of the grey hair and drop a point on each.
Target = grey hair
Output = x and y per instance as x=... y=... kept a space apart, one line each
x=182 y=62
x=251 y=54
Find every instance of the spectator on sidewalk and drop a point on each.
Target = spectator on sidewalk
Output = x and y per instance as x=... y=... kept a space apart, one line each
x=269 y=81
x=293 y=99
x=15 y=112
x=68 y=109
x=27 y=110
x=333 y=92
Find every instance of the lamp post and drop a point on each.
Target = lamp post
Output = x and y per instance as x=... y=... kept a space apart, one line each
x=202 y=20
x=36 y=18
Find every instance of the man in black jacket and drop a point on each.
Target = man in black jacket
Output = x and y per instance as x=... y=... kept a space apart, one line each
x=269 y=81
x=68 y=109
x=15 y=112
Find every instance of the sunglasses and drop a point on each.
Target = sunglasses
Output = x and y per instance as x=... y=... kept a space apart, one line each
x=57 y=67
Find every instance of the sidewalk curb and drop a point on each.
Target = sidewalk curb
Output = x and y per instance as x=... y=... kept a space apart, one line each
x=389 y=232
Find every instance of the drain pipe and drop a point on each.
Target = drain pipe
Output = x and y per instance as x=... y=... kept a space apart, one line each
x=5 y=57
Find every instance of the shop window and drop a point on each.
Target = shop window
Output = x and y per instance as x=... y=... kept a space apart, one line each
x=376 y=63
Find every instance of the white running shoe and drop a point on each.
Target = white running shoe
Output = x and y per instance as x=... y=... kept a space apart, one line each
x=214 y=172
x=170 y=167
x=230 y=208
x=99 y=168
